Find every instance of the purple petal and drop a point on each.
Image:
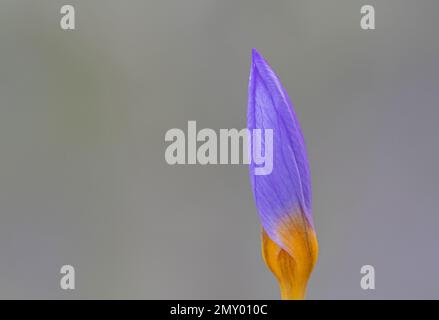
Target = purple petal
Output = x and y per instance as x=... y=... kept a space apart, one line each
x=287 y=190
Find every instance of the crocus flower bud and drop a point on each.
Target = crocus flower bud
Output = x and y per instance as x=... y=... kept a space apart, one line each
x=283 y=197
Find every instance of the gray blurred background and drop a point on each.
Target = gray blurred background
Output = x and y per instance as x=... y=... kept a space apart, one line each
x=83 y=114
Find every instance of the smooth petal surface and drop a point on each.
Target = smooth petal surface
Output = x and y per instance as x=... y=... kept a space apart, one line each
x=283 y=198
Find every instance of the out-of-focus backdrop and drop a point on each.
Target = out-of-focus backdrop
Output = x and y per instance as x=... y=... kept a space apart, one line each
x=83 y=114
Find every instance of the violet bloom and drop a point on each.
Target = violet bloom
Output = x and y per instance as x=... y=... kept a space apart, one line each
x=283 y=198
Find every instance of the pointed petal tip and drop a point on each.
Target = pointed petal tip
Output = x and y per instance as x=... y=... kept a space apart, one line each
x=256 y=56
x=260 y=64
